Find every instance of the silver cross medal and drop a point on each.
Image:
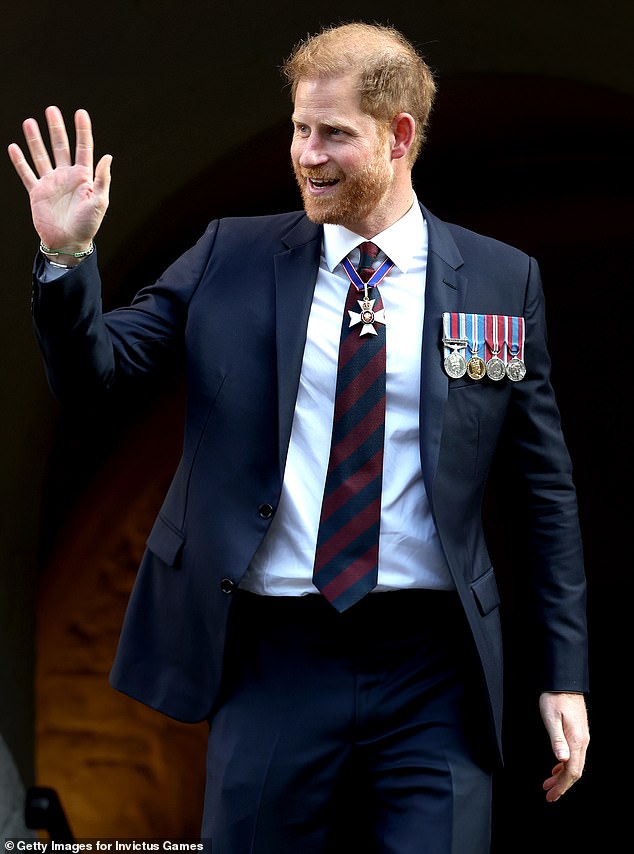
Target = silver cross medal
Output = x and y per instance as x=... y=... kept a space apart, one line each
x=367 y=316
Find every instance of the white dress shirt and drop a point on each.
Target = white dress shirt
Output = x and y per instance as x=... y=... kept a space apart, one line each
x=410 y=555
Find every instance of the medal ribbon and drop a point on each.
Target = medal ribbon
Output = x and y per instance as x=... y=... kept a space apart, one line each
x=455 y=327
x=475 y=332
x=515 y=336
x=377 y=277
x=494 y=333
x=446 y=326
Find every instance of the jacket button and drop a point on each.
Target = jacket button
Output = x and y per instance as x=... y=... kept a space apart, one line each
x=227 y=585
x=265 y=511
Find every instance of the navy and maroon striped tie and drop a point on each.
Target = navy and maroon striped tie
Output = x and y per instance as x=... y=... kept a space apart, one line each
x=346 y=560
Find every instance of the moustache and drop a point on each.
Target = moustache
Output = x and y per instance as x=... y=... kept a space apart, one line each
x=317 y=175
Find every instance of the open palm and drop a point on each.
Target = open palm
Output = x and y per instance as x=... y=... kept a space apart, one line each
x=68 y=200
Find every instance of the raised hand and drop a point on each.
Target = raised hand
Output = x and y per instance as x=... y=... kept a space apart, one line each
x=68 y=200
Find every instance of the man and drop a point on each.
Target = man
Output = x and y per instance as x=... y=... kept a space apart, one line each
x=317 y=583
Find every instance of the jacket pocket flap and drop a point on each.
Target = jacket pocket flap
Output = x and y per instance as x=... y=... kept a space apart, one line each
x=165 y=542
x=486 y=593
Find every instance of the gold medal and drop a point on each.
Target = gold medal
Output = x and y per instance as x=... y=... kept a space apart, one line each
x=476 y=368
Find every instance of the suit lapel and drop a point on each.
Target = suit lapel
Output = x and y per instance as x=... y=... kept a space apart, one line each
x=296 y=273
x=445 y=290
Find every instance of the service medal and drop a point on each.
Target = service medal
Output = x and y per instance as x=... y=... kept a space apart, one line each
x=476 y=367
x=515 y=368
x=495 y=368
x=455 y=365
x=454 y=340
x=494 y=339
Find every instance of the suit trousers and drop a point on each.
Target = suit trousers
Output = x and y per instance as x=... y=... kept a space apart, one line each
x=363 y=731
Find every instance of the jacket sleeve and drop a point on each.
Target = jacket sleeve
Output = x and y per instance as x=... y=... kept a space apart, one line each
x=85 y=351
x=534 y=437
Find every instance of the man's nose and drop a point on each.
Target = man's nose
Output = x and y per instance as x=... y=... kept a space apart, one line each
x=312 y=153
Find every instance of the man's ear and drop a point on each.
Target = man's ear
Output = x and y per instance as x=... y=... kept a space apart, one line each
x=403 y=127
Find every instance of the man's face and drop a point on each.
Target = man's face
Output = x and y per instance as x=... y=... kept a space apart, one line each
x=340 y=155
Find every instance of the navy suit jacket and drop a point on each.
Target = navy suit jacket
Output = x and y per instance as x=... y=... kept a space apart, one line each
x=236 y=307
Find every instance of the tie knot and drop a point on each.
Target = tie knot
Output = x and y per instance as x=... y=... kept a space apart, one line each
x=369 y=252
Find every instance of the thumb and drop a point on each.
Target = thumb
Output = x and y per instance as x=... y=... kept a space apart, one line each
x=101 y=185
x=553 y=718
x=560 y=745
x=554 y=724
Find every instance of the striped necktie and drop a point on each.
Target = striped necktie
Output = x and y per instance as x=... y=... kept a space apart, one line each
x=346 y=559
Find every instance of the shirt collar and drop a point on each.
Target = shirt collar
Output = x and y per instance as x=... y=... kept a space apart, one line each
x=402 y=242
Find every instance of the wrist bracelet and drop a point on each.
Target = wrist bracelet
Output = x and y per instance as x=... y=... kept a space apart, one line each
x=53 y=253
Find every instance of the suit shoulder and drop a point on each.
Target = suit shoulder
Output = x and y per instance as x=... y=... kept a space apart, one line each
x=481 y=255
x=271 y=226
x=478 y=252
x=475 y=245
x=474 y=242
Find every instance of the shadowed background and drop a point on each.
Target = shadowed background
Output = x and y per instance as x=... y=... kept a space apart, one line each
x=530 y=142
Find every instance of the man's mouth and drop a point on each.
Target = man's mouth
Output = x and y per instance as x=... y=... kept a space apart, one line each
x=320 y=184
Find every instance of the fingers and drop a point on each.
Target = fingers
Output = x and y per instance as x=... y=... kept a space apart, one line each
x=555 y=785
x=569 y=770
x=566 y=721
x=58 y=136
x=25 y=173
x=563 y=776
x=60 y=146
x=37 y=149
x=83 y=143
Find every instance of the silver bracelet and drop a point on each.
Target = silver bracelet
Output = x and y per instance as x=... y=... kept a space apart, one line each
x=53 y=253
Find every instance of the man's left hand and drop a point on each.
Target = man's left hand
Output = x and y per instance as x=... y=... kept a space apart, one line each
x=566 y=722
